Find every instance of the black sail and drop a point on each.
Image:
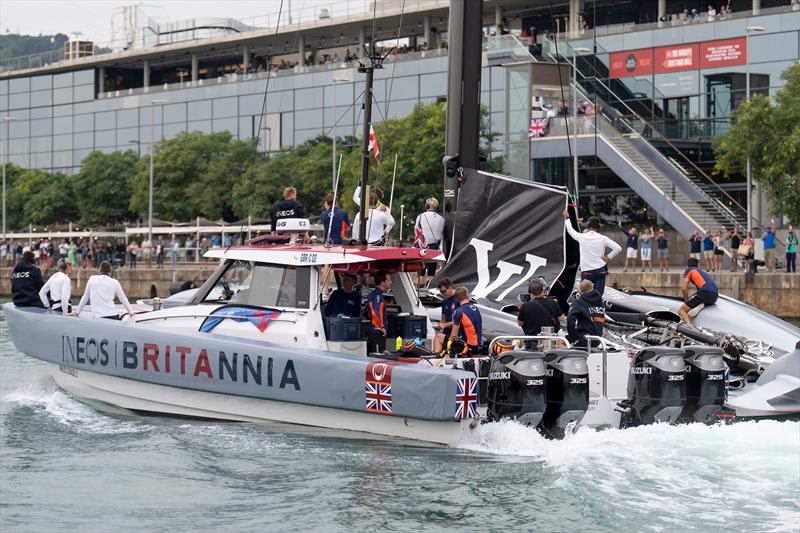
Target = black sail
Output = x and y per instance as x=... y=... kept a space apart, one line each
x=504 y=232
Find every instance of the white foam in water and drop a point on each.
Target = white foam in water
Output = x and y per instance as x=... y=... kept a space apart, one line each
x=45 y=395
x=675 y=474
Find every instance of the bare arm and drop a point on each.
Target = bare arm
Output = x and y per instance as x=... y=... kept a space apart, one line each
x=685 y=288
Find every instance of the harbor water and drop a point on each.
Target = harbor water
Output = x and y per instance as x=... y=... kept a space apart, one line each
x=66 y=466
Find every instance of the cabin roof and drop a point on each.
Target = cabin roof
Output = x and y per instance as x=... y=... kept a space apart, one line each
x=316 y=254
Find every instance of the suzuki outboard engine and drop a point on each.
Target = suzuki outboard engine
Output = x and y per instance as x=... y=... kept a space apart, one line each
x=656 y=387
x=566 y=391
x=516 y=387
x=705 y=383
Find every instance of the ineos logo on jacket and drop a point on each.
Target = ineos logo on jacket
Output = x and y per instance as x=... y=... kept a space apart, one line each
x=20 y=275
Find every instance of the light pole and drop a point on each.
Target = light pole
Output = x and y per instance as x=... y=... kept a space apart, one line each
x=153 y=105
x=575 y=52
x=748 y=30
x=8 y=121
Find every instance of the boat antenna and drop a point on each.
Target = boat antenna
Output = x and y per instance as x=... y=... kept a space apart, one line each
x=375 y=62
x=394 y=174
x=563 y=99
x=333 y=203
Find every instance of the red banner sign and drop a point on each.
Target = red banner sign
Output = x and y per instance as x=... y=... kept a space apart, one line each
x=677 y=58
x=631 y=63
x=723 y=53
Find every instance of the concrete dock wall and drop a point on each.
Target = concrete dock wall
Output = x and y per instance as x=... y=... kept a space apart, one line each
x=777 y=294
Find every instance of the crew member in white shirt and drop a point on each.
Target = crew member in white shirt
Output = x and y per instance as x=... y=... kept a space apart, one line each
x=59 y=288
x=431 y=225
x=379 y=221
x=100 y=292
x=594 y=261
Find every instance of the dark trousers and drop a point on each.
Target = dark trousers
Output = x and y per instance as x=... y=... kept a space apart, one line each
x=596 y=276
x=376 y=342
x=791 y=260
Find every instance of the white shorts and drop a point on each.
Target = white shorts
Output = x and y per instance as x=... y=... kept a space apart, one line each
x=696 y=255
x=632 y=253
x=646 y=254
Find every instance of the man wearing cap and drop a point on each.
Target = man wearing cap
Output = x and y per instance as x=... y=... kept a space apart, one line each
x=56 y=292
x=343 y=301
x=593 y=245
x=539 y=311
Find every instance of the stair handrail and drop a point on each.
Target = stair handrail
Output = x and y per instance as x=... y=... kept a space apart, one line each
x=661 y=137
x=683 y=156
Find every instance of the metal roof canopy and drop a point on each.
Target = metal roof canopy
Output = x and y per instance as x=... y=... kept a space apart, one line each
x=261 y=41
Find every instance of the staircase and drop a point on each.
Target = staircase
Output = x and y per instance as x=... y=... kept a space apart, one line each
x=703 y=203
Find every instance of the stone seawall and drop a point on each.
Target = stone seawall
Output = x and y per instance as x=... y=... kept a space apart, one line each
x=137 y=283
x=777 y=294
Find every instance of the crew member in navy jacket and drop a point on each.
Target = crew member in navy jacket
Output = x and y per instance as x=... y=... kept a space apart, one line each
x=26 y=281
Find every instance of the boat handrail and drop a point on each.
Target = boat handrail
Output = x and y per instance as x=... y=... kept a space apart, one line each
x=195 y=315
x=529 y=338
x=604 y=346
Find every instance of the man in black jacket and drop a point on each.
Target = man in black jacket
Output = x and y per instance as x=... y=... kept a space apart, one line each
x=539 y=311
x=26 y=280
x=586 y=315
x=289 y=207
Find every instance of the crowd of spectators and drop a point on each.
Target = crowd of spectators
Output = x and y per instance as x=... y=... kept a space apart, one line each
x=89 y=253
x=685 y=16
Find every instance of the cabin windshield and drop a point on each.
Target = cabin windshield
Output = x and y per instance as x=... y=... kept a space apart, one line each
x=262 y=285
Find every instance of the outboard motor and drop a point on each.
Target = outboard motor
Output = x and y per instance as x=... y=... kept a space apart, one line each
x=566 y=391
x=705 y=383
x=516 y=387
x=656 y=387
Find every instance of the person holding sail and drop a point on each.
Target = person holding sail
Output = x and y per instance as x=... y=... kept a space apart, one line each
x=593 y=246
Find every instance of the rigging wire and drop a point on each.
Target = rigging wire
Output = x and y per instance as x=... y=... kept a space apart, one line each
x=391 y=86
x=266 y=86
x=563 y=99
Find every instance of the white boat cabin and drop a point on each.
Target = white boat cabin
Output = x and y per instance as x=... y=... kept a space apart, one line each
x=276 y=293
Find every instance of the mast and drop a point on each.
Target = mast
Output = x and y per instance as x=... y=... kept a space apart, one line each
x=375 y=61
x=465 y=38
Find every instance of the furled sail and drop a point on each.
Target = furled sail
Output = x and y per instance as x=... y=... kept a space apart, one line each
x=505 y=232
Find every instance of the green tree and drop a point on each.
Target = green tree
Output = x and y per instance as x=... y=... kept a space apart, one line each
x=770 y=133
x=193 y=176
x=15 y=197
x=417 y=139
x=102 y=187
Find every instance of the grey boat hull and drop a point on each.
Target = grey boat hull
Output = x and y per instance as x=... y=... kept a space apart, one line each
x=206 y=375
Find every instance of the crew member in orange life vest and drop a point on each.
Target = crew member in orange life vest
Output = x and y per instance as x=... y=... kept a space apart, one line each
x=467 y=323
x=376 y=307
x=706 y=294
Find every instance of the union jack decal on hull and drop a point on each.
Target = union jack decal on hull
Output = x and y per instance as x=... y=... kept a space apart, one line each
x=378 y=397
x=467 y=398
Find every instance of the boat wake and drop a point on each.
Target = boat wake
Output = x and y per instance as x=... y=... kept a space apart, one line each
x=44 y=397
x=668 y=472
